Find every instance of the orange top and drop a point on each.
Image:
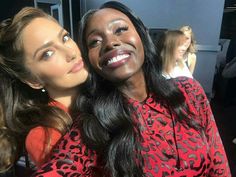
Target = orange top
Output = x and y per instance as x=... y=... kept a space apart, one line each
x=36 y=140
x=36 y=143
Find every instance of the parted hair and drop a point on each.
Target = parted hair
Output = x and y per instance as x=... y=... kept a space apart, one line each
x=23 y=107
x=106 y=120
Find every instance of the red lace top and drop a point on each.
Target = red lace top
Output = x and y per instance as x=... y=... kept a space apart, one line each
x=169 y=148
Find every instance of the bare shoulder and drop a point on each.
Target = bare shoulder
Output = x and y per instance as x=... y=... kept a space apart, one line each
x=192 y=56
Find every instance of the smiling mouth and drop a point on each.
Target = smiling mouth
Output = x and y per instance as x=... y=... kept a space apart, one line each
x=117 y=59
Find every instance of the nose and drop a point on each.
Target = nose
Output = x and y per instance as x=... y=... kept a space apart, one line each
x=70 y=53
x=111 y=42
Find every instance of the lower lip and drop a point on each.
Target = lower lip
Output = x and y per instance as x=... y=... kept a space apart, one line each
x=77 y=67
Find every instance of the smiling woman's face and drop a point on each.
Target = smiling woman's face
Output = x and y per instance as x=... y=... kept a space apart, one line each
x=115 y=49
x=188 y=38
x=52 y=56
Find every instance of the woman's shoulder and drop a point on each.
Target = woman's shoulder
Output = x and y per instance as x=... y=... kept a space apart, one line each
x=36 y=143
x=190 y=86
x=37 y=137
x=195 y=98
x=192 y=56
x=41 y=131
x=185 y=82
x=35 y=132
x=70 y=158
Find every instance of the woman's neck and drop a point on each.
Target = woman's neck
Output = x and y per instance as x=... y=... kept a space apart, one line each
x=65 y=97
x=135 y=87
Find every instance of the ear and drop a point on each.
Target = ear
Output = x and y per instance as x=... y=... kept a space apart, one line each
x=34 y=84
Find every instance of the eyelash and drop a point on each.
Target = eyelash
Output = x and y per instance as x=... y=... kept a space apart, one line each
x=92 y=43
x=46 y=54
x=121 y=29
x=118 y=31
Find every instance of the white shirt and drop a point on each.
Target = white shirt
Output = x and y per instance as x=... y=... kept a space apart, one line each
x=178 y=72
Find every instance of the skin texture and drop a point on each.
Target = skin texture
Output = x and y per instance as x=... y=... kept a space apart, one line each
x=54 y=58
x=113 y=36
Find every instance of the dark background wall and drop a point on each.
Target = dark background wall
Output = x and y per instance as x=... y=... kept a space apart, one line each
x=228 y=27
x=9 y=7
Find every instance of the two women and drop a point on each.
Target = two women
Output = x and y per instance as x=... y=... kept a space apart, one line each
x=134 y=121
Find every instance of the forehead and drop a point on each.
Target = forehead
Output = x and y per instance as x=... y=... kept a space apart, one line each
x=107 y=15
x=38 y=32
x=39 y=28
x=180 y=39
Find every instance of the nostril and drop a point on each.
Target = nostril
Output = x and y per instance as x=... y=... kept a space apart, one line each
x=110 y=46
x=71 y=56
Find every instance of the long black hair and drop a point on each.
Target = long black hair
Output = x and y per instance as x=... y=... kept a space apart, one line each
x=106 y=123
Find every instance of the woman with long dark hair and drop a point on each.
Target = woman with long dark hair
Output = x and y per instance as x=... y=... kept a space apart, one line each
x=42 y=71
x=135 y=122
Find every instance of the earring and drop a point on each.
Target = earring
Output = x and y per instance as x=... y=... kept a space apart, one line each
x=43 y=90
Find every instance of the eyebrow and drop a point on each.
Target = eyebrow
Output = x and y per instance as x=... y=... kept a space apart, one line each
x=47 y=44
x=110 y=22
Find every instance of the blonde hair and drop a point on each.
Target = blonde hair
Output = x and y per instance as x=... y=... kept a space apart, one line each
x=192 y=47
x=167 y=45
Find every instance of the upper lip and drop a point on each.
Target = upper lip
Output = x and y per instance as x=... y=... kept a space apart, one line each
x=113 y=53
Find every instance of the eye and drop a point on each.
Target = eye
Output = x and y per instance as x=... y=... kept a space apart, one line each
x=66 y=37
x=47 y=54
x=120 y=30
x=93 y=43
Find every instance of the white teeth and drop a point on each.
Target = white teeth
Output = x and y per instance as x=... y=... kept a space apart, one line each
x=117 y=58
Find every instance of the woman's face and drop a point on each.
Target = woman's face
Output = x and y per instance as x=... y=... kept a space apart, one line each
x=188 y=38
x=115 y=49
x=180 y=51
x=52 y=56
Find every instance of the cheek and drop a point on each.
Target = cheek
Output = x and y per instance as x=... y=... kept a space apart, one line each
x=134 y=39
x=54 y=70
x=93 y=58
x=137 y=42
x=189 y=42
x=176 y=53
x=57 y=71
x=50 y=76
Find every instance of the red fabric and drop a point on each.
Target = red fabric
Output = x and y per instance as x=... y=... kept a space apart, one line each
x=36 y=140
x=198 y=155
x=36 y=143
